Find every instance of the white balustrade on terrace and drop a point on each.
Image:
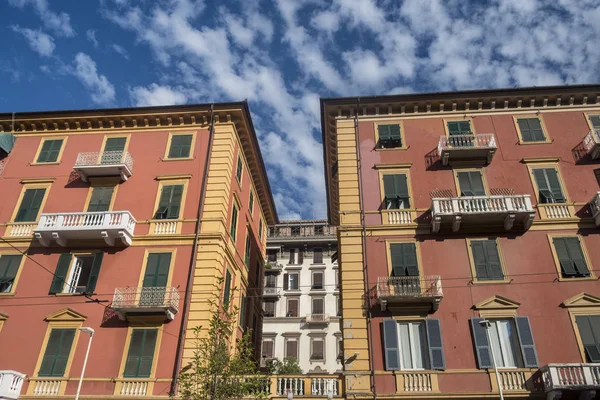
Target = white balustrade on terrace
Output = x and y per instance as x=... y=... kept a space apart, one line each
x=46 y=387
x=11 y=383
x=290 y=385
x=20 y=229
x=62 y=227
x=151 y=300
x=108 y=163
x=595 y=208
x=417 y=382
x=591 y=143
x=398 y=217
x=409 y=289
x=324 y=386
x=472 y=148
x=482 y=211
x=317 y=318
x=512 y=380
x=134 y=388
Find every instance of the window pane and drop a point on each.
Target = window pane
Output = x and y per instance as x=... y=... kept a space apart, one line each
x=293 y=281
x=496 y=349
x=419 y=349
x=405 y=346
x=508 y=342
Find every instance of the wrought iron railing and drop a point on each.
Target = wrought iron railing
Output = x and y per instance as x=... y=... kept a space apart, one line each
x=409 y=286
x=146 y=297
x=97 y=158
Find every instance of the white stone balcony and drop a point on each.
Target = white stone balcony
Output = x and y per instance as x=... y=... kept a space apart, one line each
x=108 y=163
x=403 y=290
x=559 y=379
x=591 y=143
x=595 y=208
x=146 y=300
x=11 y=383
x=467 y=148
x=65 y=227
x=482 y=211
x=271 y=292
x=317 y=319
x=273 y=267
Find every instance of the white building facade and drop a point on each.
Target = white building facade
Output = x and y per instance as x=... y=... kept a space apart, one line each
x=301 y=296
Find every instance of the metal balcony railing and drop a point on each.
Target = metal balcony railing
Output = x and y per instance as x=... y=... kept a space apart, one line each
x=317 y=318
x=146 y=299
x=409 y=286
x=570 y=376
x=108 y=163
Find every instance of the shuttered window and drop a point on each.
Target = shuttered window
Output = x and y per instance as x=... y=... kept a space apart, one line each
x=570 y=256
x=141 y=353
x=238 y=172
x=459 y=128
x=471 y=183
x=549 y=187
x=292 y=305
x=30 y=205
x=291 y=349
x=76 y=274
x=589 y=330
x=267 y=349
x=251 y=203
x=9 y=266
x=413 y=345
x=50 y=151
x=227 y=288
x=243 y=313
x=404 y=259
x=101 y=198
x=595 y=121
x=180 y=146
x=170 y=202
x=234 y=221
x=269 y=308
x=531 y=129
x=57 y=352
x=317 y=280
x=318 y=306
x=157 y=270
x=317 y=256
x=272 y=255
x=389 y=136
x=317 y=349
x=260 y=229
x=290 y=281
x=395 y=188
x=487 y=260
x=113 y=150
x=247 y=250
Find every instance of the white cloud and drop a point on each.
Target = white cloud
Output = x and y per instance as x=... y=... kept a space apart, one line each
x=91 y=36
x=40 y=42
x=156 y=95
x=120 y=50
x=101 y=90
x=327 y=21
x=59 y=23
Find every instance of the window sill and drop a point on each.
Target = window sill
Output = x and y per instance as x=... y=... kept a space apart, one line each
x=504 y=281
x=392 y=149
x=178 y=159
x=579 y=279
x=522 y=143
x=8 y=294
x=37 y=164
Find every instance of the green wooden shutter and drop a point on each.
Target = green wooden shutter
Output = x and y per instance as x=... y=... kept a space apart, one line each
x=9 y=266
x=398 y=268
x=531 y=129
x=482 y=345
x=286 y=278
x=60 y=276
x=251 y=202
x=554 y=185
x=487 y=260
x=471 y=183
x=247 y=250
x=50 y=151
x=169 y=204
x=100 y=200
x=141 y=353
x=576 y=254
x=115 y=144
x=384 y=132
x=395 y=132
x=395 y=188
x=94 y=272
x=389 y=190
x=390 y=344
x=233 y=227
x=570 y=256
x=595 y=120
x=175 y=203
x=57 y=352
x=401 y=185
x=243 y=312
x=180 y=146
x=157 y=270
x=30 y=205
x=480 y=260
x=459 y=127
x=409 y=253
x=227 y=289
x=549 y=186
x=527 y=343
x=525 y=131
x=436 y=347
x=238 y=173
x=589 y=330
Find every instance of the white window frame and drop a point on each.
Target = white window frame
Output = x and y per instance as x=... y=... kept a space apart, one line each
x=70 y=284
x=290 y=280
x=504 y=344
x=424 y=349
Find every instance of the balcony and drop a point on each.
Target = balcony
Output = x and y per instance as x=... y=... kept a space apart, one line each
x=129 y=301
x=595 y=208
x=108 y=163
x=476 y=149
x=582 y=379
x=409 y=290
x=591 y=143
x=10 y=384
x=317 y=319
x=302 y=231
x=513 y=211
x=272 y=266
x=271 y=292
x=65 y=227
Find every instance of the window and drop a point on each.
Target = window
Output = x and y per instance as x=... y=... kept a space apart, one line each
x=30 y=205
x=338 y=306
x=181 y=146
x=595 y=121
x=238 y=172
x=292 y=308
x=404 y=259
x=169 y=204
x=570 y=256
x=290 y=281
x=227 y=288
x=531 y=130
x=267 y=349
x=157 y=270
x=113 y=150
x=337 y=278
x=76 y=274
x=589 y=330
x=317 y=281
x=260 y=229
x=339 y=347
x=57 y=352
x=50 y=151
x=389 y=136
x=459 y=128
x=100 y=199
x=318 y=306
x=234 y=220
x=296 y=257
x=269 y=308
x=291 y=348
x=512 y=343
x=251 y=203
x=243 y=312
x=470 y=183
x=486 y=260
x=317 y=349
x=395 y=188
x=270 y=281
x=413 y=344
x=257 y=273
x=272 y=255
x=317 y=256
x=141 y=353
x=248 y=248
x=9 y=266
x=548 y=184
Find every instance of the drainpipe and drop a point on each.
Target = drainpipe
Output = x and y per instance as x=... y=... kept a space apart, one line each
x=364 y=249
x=188 y=290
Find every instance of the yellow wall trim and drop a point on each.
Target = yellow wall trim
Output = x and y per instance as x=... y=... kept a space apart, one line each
x=66 y=314
x=582 y=300
x=385 y=166
x=532 y=160
x=37 y=180
x=166 y=177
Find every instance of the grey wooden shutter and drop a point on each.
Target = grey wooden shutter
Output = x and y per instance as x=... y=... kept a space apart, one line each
x=286 y=283
x=317 y=280
x=317 y=350
x=482 y=345
x=493 y=260
x=57 y=352
x=479 y=258
x=317 y=306
x=227 y=288
x=595 y=120
x=317 y=256
x=398 y=268
x=487 y=260
x=243 y=312
x=528 y=351
x=390 y=344
x=94 y=272
x=471 y=183
x=267 y=348
x=409 y=253
x=60 y=275
x=30 y=205
x=300 y=256
x=524 y=128
x=436 y=347
x=291 y=347
x=567 y=264
x=293 y=307
x=589 y=330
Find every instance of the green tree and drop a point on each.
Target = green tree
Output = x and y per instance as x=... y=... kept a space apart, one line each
x=289 y=366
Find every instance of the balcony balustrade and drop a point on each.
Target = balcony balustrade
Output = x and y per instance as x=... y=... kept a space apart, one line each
x=591 y=143
x=559 y=379
x=273 y=266
x=65 y=227
x=108 y=163
x=467 y=148
x=595 y=208
x=146 y=300
x=11 y=383
x=271 y=292
x=317 y=319
x=306 y=232
x=403 y=290
x=482 y=211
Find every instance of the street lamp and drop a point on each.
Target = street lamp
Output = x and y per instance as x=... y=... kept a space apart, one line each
x=486 y=325
x=91 y=332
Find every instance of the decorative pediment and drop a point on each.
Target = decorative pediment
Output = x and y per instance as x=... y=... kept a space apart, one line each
x=582 y=300
x=497 y=303
x=66 y=314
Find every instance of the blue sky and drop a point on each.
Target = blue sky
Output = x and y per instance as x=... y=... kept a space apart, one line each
x=282 y=55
